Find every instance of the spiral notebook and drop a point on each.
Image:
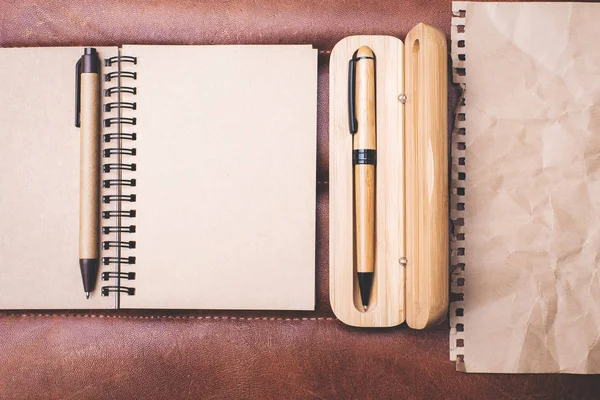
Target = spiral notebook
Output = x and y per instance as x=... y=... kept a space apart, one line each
x=208 y=178
x=526 y=178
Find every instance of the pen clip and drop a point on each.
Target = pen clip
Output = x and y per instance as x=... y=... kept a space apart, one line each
x=78 y=93
x=352 y=122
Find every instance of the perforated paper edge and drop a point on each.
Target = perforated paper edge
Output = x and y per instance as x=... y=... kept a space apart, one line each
x=458 y=176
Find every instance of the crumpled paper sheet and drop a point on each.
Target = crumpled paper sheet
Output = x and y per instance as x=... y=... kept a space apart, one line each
x=532 y=190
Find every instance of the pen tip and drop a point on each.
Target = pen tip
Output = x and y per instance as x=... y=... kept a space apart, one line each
x=87 y=295
x=365 y=307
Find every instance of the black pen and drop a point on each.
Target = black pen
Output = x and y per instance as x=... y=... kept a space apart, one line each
x=87 y=117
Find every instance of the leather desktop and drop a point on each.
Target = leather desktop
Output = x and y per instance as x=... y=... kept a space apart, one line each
x=206 y=354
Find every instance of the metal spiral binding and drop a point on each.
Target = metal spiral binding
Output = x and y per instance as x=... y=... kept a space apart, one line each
x=108 y=122
x=124 y=146
x=108 y=107
x=117 y=214
x=122 y=275
x=108 y=244
x=119 y=89
x=106 y=290
x=118 y=260
x=119 y=150
x=107 y=183
x=119 y=59
x=119 y=136
x=118 y=229
x=119 y=166
x=119 y=198
x=119 y=74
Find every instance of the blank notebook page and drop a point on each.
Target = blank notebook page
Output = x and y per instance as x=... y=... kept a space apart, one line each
x=226 y=167
x=532 y=189
x=39 y=181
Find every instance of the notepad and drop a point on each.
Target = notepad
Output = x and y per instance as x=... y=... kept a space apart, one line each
x=527 y=188
x=218 y=211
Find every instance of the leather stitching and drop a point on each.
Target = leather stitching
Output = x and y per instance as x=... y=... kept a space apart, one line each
x=182 y=317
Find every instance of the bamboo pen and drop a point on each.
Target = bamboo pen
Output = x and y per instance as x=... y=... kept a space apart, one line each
x=87 y=117
x=361 y=107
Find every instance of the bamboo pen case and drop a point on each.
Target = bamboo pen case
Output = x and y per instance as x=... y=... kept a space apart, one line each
x=410 y=273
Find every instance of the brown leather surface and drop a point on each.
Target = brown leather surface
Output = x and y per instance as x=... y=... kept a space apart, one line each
x=158 y=354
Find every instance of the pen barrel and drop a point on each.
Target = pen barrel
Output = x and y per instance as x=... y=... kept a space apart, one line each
x=89 y=195
x=364 y=200
x=364 y=160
